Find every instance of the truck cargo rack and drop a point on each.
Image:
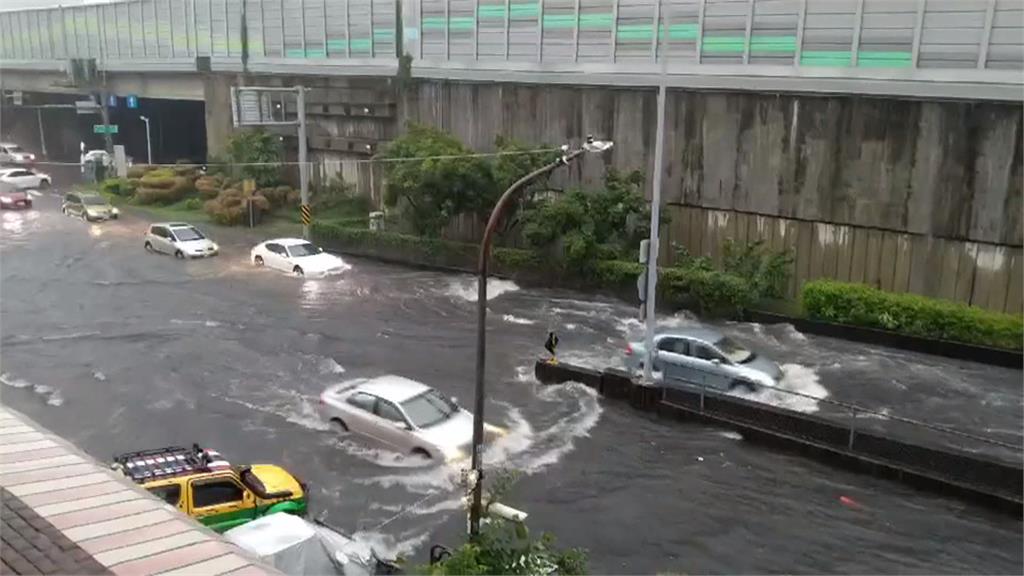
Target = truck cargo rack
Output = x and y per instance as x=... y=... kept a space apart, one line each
x=159 y=463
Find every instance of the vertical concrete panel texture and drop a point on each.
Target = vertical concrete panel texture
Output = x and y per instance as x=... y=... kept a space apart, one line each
x=862 y=188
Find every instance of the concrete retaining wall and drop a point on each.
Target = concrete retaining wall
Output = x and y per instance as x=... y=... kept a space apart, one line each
x=977 y=477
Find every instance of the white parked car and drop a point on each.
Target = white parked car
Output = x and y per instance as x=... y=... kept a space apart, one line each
x=11 y=153
x=25 y=178
x=296 y=256
x=180 y=239
x=403 y=415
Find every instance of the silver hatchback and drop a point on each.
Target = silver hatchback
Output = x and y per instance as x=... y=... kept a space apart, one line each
x=705 y=357
x=180 y=239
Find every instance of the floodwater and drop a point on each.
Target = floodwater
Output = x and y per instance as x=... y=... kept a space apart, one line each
x=116 y=349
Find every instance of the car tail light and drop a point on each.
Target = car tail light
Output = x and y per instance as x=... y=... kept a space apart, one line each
x=629 y=349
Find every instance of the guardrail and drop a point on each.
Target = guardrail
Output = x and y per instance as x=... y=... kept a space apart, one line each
x=969 y=49
x=992 y=479
x=854 y=411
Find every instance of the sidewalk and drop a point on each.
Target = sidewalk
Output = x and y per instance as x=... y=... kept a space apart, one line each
x=64 y=513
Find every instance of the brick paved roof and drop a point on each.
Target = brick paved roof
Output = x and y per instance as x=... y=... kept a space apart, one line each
x=65 y=513
x=29 y=544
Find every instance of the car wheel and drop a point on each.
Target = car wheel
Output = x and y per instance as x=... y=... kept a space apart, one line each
x=179 y=255
x=298 y=271
x=421 y=453
x=44 y=185
x=148 y=246
x=340 y=425
x=63 y=210
x=258 y=260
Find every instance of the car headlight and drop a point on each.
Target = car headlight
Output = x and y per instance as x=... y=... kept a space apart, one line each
x=215 y=247
x=494 y=431
x=115 y=211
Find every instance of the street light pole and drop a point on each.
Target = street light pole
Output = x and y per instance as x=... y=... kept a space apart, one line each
x=149 y=147
x=481 y=315
x=652 y=255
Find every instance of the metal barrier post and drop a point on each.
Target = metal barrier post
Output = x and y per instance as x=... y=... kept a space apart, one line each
x=853 y=426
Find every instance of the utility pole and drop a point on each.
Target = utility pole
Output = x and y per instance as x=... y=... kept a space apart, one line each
x=149 y=145
x=300 y=103
x=659 y=167
x=108 y=141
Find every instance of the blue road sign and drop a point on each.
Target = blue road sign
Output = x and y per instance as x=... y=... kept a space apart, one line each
x=112 y=100
x=132 y=101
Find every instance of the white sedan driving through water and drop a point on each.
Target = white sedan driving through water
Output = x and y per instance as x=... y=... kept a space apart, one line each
x=403 y=415
x=296 y=256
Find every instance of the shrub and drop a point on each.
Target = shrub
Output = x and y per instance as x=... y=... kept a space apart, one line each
x=119 y=186
x=163 y=190
x=209 y=186
x=278 y=196
x=862 y=305
x=193 y=204
x=231 y=207
x=163 y=178
x=184 y=170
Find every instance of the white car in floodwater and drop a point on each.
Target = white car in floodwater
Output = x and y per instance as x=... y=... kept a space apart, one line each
x=403 y=415
x=296 y=256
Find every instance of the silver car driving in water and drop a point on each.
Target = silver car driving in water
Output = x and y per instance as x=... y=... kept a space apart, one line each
x=403 y=415
x=705 y=357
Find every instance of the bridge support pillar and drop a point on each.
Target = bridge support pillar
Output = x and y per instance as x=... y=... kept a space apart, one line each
x=217 y=94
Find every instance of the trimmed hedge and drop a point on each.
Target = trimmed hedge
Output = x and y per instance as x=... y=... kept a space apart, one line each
x=862 y=305
x=708 y=290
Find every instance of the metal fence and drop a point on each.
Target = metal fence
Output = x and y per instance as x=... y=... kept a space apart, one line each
x=851 y=419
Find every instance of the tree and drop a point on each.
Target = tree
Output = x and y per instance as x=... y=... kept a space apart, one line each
x=256 y=154
x=591 y=225
x=437 y=181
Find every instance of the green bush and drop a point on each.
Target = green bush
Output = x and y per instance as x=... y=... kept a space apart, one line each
x=119 y=186
x=862 y=305
x=504 y=547
x=193 y=204
x=255 y=154
x=588 y=226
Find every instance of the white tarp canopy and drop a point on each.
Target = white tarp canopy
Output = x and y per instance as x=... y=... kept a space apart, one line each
x=296 y=547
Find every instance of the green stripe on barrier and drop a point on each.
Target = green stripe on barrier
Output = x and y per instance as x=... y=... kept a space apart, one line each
x=643 y=32
x=724 y=44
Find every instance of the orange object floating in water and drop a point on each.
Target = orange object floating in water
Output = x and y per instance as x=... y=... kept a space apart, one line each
x=847 y=501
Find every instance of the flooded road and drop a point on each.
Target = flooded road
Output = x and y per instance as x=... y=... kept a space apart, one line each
x=116 y=349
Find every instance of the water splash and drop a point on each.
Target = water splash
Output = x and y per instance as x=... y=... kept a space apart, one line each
x=49 y=394
x=465 y=288
x=302 y=411
x=330 y=366
x=796 y=378
x=517 y=320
